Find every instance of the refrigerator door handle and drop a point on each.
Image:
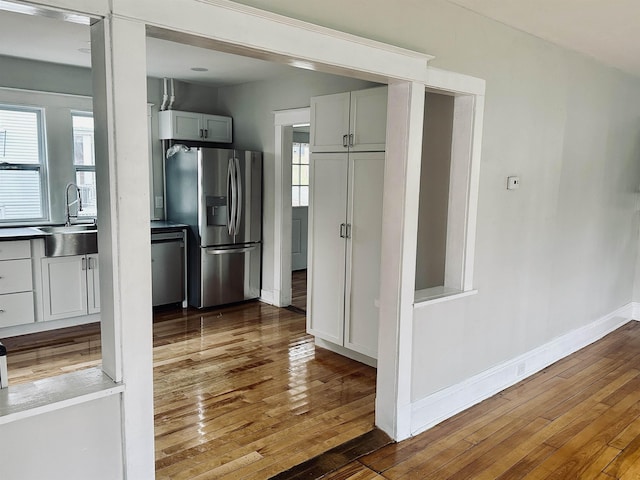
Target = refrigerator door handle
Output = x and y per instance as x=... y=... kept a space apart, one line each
x=231 y=197
x=238 y=214
x=222 y=251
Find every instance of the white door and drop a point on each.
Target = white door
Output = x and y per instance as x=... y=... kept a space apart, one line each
x=327 y=212
x=368 y=120
x=366 y=184
x=329 y=123
x=299 y=234
x=64 y=287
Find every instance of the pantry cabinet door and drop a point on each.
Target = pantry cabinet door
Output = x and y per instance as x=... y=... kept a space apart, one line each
x=366 y=184
x=327 y=219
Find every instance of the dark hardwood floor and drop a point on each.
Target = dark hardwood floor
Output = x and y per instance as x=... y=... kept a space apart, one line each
x=577 y=419
x=240 y=392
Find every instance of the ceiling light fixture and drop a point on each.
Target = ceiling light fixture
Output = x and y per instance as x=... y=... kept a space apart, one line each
x=199 y=69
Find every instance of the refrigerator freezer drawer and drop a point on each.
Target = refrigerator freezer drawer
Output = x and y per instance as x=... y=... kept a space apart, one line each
x=229 y=274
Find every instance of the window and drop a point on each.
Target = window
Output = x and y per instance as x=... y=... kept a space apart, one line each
x=300 y=175
x=84 y=162
x=22 y=164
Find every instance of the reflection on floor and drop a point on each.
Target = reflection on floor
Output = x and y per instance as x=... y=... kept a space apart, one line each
x=299 y=289
x=46 y=354
x=240 y=392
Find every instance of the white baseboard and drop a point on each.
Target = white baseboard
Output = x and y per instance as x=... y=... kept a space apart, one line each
x=635 y=310
x=444 y=404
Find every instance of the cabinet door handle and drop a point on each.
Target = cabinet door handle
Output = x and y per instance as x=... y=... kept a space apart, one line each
x=348 y=232
x=343 y=228
x=84 y=264
x=201 y=133
x=345 y=141
x=206 y=133
x=351 y=139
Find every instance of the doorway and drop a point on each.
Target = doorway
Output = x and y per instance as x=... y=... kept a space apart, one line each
x=299 y=216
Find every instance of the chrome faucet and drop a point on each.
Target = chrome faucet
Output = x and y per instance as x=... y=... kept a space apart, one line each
x=78 y=200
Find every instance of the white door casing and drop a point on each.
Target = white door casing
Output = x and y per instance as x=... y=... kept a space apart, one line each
x=283 y=127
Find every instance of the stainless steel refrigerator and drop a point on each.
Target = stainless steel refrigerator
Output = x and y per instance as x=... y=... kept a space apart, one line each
x=218 y=194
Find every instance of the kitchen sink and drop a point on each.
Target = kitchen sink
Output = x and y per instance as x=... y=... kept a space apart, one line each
x=70 y=229
x=70 y=240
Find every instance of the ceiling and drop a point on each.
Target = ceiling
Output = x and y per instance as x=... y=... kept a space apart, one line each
x=603 y=29
x=607 y=30
x=57 y=41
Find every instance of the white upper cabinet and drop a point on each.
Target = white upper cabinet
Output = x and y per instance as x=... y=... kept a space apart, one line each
x=368 y=120
x=351 y=121
x=177 y=125
x=217 y=128
x=330 y=122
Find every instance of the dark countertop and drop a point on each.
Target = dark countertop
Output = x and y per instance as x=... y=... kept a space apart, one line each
x=20 y=233
x=164 y=226
x=28 y=233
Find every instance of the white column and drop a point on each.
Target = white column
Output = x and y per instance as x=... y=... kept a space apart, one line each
x=405 y=113
x=120 y=112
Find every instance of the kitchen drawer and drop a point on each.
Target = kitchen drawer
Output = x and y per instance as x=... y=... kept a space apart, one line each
x=16 y=309
x=15 y=276
x=13 y=249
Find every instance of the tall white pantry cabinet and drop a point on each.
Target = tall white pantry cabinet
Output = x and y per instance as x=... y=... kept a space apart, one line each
x=347 y=142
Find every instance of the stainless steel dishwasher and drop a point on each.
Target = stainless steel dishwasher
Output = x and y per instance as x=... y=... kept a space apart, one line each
x=168 y=263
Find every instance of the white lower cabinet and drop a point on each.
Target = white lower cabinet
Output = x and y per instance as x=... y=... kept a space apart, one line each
x=16 y=286
x=16 y=309
x=70 y=286
x=345 y=229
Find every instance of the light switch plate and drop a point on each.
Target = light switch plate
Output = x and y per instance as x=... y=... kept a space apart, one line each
x=159 y=201
x=513 y=183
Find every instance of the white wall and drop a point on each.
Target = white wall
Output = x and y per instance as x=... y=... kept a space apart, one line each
x=190 y=98
x=252 y=105
x=556 y=254
x=19 y=73
x=434 y=190
x=39 y=447
x=48 y=77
